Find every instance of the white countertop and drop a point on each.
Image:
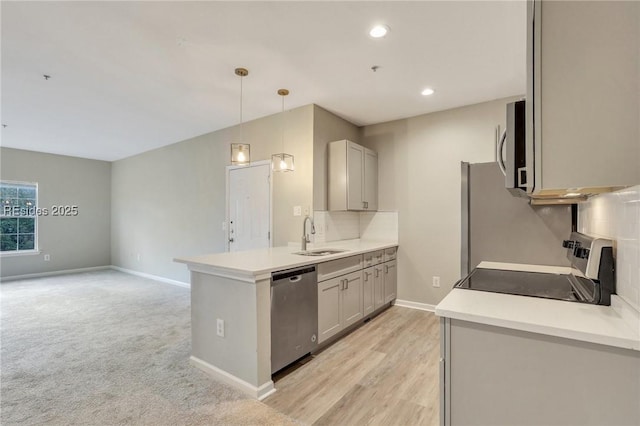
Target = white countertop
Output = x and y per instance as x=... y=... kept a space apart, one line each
x=616 y=325
x=255 y=264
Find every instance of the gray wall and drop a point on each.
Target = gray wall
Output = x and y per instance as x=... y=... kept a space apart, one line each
x=75 y=242
x=327 y=127
x=419 y=176
x=170 y=202
x=504 y=228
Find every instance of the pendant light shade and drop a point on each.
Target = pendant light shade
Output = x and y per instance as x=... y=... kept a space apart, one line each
x=282 y=162
x=241 y=152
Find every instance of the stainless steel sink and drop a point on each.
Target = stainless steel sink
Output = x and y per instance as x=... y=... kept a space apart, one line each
x=319 y=252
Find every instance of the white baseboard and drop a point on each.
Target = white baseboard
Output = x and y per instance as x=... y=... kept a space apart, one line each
x=151 y=277
x=53 y=273
x=416 y=305
x=258 y=393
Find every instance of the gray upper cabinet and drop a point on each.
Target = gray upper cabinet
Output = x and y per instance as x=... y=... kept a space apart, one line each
x=370 y=173
x=352 y=177
x=583 y=97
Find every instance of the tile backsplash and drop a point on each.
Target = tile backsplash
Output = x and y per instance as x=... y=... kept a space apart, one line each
x=616 y=215
x=335 y=226
x=379 y=226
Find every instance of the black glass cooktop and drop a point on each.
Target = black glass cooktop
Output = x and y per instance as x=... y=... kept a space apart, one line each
x=535 y=284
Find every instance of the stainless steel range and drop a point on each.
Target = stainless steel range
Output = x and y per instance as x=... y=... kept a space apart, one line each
x=592 y=279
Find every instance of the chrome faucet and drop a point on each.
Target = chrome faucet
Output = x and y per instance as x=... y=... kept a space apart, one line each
x=305 y=236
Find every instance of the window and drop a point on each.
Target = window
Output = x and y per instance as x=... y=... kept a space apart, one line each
x=18 y=217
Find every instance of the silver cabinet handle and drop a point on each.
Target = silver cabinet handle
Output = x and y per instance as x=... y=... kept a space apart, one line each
x=377 y=272
x=500 y=158
x=386 y=269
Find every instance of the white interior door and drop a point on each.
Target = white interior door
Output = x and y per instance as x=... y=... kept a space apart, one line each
x=249 y=207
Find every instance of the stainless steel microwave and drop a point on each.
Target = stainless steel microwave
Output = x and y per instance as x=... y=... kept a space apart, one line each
x=512 y=150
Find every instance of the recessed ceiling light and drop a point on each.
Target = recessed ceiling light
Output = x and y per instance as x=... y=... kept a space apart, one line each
x=379 y=31
x=427 y=92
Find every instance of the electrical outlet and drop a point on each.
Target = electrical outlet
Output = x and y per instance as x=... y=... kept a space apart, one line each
x=220 y=327
x=47 y=257
x=307 y=210
x=297 y=210
x=436 y=281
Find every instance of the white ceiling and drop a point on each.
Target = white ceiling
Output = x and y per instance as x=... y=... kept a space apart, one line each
x=127 y=77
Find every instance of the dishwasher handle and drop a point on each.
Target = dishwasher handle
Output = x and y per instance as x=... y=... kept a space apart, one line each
x=292 y=275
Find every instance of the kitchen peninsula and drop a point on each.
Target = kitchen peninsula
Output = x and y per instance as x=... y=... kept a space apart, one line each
x=230 y=295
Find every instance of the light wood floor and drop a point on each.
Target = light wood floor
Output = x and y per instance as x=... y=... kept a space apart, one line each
x=384 y=373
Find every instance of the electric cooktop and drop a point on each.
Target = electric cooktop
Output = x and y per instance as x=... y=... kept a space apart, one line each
x=549 y=286
x=591 y=258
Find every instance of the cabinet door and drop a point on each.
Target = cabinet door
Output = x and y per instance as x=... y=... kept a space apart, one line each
x=368 y=278
x=370 y=180
x=329 y=307
x=378 y=287
x=584 y=86
x=351 y=298
x=390 y=280
x=355 y=174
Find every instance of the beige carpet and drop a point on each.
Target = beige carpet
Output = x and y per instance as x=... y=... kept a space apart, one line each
x=107 y=348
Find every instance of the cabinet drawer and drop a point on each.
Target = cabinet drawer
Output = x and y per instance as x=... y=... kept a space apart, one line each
x=373 y=258
x=335 y=268
x=390 y=253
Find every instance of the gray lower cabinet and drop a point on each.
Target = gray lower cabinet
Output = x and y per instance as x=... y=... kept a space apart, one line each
x=378 y=286
x=390 y=280
x=339 y=304
x=347 y=293
x=352 y=299
x=329 y=306
x=368 y=289
x=498 y=376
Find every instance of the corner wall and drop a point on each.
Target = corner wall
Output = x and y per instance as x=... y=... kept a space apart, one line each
x=327 y=127
x=419 y=177
x=170 y=202
x=73 y=242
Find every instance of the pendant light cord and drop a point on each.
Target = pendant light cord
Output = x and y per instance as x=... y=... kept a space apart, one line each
x=282 y=123
x=241 y=124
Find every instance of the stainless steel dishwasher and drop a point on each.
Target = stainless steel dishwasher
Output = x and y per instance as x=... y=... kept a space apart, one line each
x=294 y=315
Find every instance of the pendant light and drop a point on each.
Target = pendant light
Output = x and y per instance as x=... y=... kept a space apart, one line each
x=241 y=152
x=282 y=162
